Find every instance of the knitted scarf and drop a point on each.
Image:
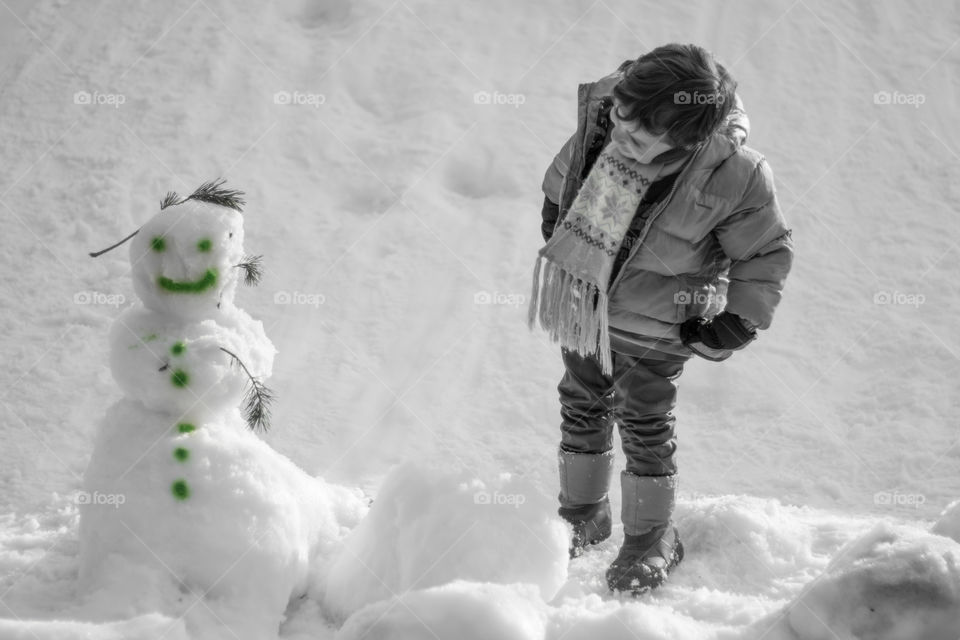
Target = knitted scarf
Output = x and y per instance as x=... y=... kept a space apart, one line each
x=577 y=261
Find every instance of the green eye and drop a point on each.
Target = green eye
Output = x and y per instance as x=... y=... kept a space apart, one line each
x=204 y=245
x=158 y=244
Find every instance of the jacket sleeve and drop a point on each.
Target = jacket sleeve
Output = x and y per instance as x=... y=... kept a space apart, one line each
x=557 y=171
x=756 y=239
x=549 y=214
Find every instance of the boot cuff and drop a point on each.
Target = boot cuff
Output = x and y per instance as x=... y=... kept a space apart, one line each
x=648 y=501
x=584 y=477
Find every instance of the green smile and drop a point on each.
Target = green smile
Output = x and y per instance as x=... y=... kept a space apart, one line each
x=208 y=280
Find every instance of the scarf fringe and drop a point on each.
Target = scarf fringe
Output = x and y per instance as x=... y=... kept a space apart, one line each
x=565 y=308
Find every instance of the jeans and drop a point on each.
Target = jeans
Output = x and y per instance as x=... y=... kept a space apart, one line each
x=640 y=396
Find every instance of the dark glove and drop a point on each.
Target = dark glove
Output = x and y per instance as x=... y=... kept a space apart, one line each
x=716 y=339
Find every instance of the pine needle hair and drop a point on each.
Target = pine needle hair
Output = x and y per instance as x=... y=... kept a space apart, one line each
x=213 y=192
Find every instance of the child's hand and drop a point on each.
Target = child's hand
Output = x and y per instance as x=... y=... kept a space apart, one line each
x=725 y=333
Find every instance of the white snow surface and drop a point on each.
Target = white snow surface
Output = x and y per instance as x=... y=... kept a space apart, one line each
x=397 y=209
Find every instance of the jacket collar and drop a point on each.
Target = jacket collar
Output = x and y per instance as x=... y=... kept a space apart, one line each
x=714 y=151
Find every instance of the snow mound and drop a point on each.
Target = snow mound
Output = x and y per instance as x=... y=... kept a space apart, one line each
x=462 y=610
x=741 y=543
x=427 y=528
x=146 y=627
x=891 y=583
x=594 y=617
x=480 y=611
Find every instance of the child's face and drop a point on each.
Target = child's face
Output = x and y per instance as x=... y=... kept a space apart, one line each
x=636 y=142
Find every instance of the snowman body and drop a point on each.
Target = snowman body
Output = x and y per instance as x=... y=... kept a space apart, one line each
x=239 y=536
x=181 y=493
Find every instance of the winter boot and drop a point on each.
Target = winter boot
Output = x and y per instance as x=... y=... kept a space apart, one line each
x=651 y=545
x=584 y=483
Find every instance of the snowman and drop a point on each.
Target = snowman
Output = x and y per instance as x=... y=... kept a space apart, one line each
x=187 y=510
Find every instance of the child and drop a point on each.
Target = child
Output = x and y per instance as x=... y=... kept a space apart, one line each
x=664 y=239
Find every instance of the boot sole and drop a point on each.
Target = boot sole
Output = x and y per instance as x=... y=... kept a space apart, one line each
x=675 y=559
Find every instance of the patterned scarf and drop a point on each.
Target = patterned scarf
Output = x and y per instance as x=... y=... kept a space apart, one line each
x=577 y=261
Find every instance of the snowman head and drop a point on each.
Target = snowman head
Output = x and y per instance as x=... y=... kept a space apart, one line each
x=188 y=258
x=185 y=259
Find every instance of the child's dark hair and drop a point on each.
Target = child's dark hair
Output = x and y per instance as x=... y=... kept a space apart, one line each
x=679 y=89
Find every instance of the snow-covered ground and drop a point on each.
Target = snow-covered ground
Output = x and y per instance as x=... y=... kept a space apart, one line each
x=398 y=213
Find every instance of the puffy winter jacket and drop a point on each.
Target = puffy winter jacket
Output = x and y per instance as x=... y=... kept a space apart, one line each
x=717 y=240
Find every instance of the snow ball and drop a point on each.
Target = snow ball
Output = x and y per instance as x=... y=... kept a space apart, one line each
x=426 y=529
x=180 y=368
